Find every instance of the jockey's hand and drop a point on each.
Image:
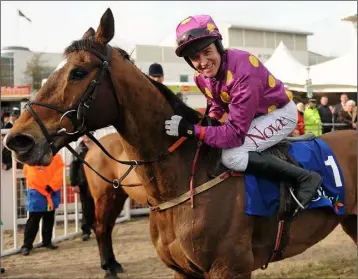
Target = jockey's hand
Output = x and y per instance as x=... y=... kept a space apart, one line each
x=48 y=189
x=178 y=126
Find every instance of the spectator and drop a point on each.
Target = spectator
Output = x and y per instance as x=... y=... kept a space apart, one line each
x=326 y=114
x=300 y=120
x=156 y=72
x=348 y=116
x=6 y=156
x=312 y=119
x=13 y=117
x=339 y=107
x=43 y=197
x=5 y=118
x=79 y=182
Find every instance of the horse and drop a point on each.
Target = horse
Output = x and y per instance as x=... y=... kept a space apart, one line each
x=109 y=201
x=205 y=235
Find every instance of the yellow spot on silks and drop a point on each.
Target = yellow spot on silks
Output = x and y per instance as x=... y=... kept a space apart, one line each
x=185 y=20
x=271 y=81
x=196 y=73
x=208 y=93
x=228 y=77
x=254 y=61
x=225 y=97
x=271 y=108
x=211 y=27
x=289 y=94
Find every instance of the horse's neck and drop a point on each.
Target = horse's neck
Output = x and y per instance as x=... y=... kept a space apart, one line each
x=144 y=113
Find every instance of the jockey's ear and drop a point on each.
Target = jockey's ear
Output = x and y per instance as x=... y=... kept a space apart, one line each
x=89 y=33
x=105 y=30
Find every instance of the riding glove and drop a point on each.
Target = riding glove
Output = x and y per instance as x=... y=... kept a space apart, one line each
x=178 y=126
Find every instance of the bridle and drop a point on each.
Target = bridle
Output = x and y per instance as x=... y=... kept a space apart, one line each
x=77 y=118
x=77 y=113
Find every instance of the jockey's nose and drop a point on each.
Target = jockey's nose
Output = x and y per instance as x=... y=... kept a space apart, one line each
x=20 y=143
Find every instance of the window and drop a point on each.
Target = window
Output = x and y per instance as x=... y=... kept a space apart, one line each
x=7 y=71
x=184 y=78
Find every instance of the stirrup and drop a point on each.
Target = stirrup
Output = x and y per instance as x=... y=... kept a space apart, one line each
x=300 y=206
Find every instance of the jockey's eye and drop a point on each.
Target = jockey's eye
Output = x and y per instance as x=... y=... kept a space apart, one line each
x=78 y=74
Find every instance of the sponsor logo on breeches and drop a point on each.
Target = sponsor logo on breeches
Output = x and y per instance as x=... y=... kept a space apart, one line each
x=269 y=131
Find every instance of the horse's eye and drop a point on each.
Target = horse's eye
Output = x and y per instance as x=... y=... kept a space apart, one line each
x=78 y=74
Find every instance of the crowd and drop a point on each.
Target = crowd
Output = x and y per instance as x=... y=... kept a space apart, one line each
x=324 y=118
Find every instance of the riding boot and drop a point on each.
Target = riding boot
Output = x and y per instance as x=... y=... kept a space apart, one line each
x=305 y=183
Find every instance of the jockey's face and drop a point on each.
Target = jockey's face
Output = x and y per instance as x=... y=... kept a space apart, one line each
x=207 y=61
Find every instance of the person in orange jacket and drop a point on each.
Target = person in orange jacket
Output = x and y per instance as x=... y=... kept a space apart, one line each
x=43 y=197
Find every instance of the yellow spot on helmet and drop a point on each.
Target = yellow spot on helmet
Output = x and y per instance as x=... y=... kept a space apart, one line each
x=254 y=61
x=271 y=81
x=228 y=77
x=185 y=20
x=225 y=97
x=208 y=93
x=271 y=108
x=211 y=27
x=289 y=94
x=196 y=73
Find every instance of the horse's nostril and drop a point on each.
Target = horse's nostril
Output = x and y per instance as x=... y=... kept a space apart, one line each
x=20 y=143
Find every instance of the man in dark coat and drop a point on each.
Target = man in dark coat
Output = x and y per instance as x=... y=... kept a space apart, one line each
x=326 y=114
x=79 y=183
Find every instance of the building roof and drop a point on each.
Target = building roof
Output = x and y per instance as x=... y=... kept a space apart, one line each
x=15 y=48
x=280 y=30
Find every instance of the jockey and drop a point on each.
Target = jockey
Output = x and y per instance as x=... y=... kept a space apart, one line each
x=260 y=110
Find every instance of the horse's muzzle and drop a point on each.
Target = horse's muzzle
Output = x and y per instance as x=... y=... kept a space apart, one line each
x=20 y=143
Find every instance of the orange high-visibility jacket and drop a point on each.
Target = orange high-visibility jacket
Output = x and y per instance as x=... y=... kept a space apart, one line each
x=38 y=177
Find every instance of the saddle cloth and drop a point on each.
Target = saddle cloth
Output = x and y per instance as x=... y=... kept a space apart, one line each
x=262 y=194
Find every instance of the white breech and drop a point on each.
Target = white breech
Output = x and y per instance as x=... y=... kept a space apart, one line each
x=265 y=131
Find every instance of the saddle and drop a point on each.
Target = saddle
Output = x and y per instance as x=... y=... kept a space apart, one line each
x=287 y=208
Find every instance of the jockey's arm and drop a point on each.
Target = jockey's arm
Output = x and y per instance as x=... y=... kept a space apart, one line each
x=244 y=95
x=215 y=111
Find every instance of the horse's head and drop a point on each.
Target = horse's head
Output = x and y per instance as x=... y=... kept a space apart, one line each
x=69 y=104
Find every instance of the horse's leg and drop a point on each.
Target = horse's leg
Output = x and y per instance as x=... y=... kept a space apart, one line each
x=106 y=213
x=117 y=208
x=349 y=225
x=230 y=267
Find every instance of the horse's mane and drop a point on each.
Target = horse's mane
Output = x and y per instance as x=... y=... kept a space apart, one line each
x=175 y=102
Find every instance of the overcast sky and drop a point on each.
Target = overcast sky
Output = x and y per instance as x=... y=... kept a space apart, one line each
x=55 y=24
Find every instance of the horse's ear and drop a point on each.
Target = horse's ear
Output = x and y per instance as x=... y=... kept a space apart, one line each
x=105 y=30
x=89 y=33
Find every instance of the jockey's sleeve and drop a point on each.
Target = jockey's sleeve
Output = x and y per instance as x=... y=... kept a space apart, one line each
x=215 y=110
x=244 y=96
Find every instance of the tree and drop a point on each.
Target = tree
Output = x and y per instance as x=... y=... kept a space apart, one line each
x=36 y=70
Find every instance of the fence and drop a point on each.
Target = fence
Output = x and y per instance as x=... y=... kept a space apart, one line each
x=68 y=215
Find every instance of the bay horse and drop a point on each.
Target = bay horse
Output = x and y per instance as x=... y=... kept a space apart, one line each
x=214 y=238
x=109 y=201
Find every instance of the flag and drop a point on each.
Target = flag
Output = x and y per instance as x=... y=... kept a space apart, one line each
x=21 y=14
